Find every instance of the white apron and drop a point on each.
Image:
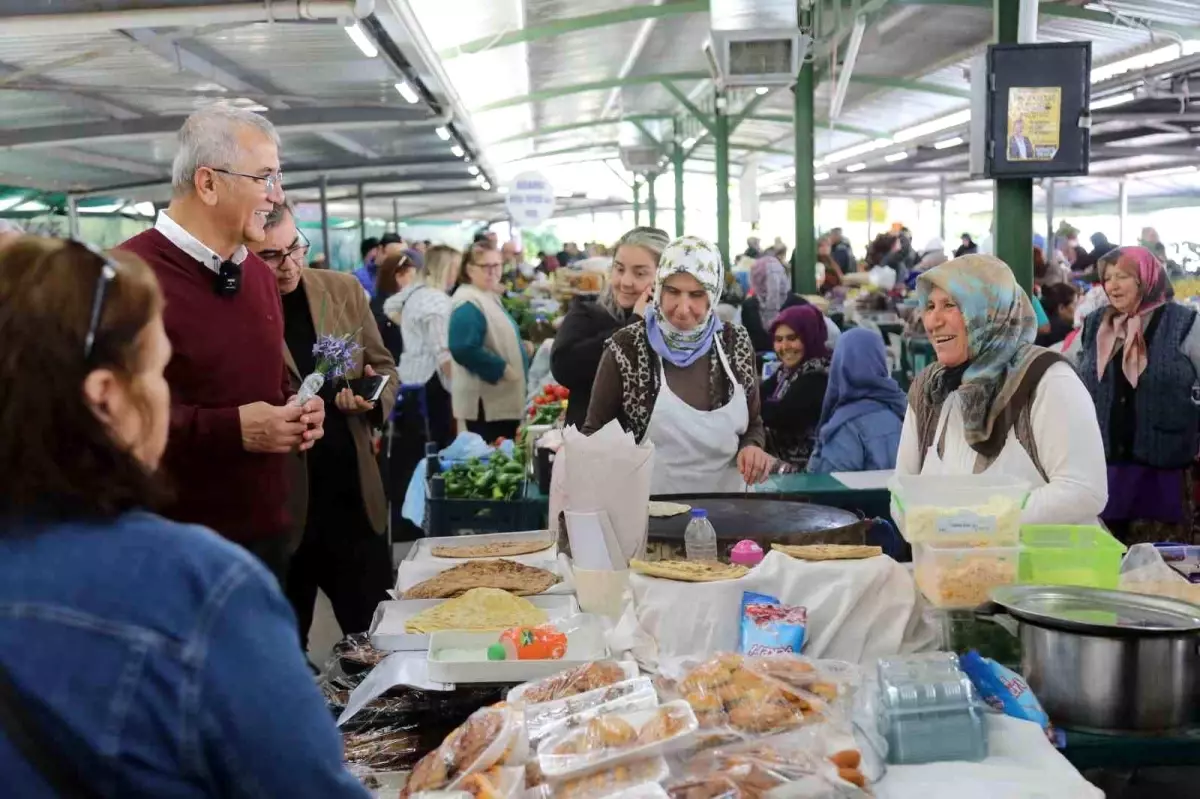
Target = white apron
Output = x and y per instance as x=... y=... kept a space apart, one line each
x=695 y=452
x=1013 y=460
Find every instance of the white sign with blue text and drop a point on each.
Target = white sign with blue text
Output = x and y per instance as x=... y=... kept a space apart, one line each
x=530 y=199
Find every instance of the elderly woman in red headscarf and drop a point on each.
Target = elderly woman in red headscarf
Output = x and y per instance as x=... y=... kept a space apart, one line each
x=792 y=396
x=1140 y=360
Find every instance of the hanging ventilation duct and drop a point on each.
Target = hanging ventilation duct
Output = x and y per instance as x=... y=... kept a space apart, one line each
x=640 y=153
x=755 y=42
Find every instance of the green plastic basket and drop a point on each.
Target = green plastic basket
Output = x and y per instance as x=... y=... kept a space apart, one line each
x=1059 y=554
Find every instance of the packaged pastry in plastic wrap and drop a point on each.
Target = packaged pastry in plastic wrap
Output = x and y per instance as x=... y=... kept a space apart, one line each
x=492 y=736
x=355 y=655
x=631 y=780
x=820 y=761
x=550 y=718
x=572 y=682
x=617 y=737
x=749 y=697
x=384 y=749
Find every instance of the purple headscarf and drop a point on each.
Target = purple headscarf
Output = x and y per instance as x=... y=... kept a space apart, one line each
x=809 y=324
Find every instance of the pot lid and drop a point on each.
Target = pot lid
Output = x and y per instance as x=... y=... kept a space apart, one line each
x=1095 y=611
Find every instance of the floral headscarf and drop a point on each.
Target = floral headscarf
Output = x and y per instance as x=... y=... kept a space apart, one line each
x=1117 y=327
x=1001 y=328
x=701 y=260
x=771 y=286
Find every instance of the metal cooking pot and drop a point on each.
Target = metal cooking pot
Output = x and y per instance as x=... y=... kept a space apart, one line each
x=1105 y=660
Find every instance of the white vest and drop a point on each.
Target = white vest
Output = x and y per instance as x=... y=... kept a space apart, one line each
x=503 y=400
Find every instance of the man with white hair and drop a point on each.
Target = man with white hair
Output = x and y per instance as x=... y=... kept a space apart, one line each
x=232 y=421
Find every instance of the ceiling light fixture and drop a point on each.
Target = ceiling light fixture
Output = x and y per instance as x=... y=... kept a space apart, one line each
x=458 y=151
x=856 y=150
x=1116 y=99
x=934 y=125
x=688 y=142
x=1151 y=59
x=359 y=37
x=946 y=144
x=856 y=167
x=761 y=90
x=821 y=176
x=892 y=158
x=407 y=92
x=487 y=186
x=474 y=170
x=442 y=133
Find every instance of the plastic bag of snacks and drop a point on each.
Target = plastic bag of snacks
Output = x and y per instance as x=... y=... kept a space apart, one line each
x=625 y=780
x=734 y=695
x=550 y=718
x=1007 y=691
x=492 y=736
x=384 y=749
x=770 y=627
x=1162 y=570
x=820 y=761
x=617 y=737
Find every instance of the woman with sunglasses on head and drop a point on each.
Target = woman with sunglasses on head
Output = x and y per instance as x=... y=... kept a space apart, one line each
x=396 y=271
x=491 y=363
x=139 y=657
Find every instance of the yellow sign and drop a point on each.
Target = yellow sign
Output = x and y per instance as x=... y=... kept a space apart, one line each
x=1034 y=122
x=856 y=211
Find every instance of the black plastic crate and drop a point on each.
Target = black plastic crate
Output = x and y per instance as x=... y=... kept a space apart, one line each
x=445 y=516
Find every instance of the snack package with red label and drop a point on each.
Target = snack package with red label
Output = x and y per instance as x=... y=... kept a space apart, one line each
x=769 y=627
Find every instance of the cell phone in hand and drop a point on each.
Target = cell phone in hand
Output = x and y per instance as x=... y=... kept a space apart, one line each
x=369 y=388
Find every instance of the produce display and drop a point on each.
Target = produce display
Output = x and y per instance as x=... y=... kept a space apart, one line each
x=507 y=575
x=477 y=609
x=498 y=477
x=496 y=549
x=689 y=571
x=548 y=407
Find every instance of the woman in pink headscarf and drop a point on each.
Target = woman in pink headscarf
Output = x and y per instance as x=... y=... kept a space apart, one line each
x=1140 y=360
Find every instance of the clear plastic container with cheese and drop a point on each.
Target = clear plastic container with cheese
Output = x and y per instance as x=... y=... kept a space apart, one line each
x=977 y=510
x=963 y=577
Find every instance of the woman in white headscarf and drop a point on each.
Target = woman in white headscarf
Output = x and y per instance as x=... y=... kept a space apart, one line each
x=686 y=381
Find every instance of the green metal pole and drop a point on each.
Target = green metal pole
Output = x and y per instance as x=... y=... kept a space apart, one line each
x=804 y=277
x=651 y=200
x=1013 y=241
x=721 y=140
x=637 y=202
x=677 y=161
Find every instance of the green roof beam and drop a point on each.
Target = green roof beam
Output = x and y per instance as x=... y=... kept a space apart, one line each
x=703 y=118
x=907 y=84
x=558 y=27
x=591 y=123
x=595 y=86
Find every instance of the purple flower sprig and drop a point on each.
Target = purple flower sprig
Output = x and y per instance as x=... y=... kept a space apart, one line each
x=335 y=354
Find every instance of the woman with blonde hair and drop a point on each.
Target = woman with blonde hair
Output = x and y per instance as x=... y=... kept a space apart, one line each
x=490 y=362
x=579 y=343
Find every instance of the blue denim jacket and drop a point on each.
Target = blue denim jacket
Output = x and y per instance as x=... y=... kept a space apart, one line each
x=163 y=661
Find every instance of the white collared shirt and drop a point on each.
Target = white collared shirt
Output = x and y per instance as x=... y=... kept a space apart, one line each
x=192 y=245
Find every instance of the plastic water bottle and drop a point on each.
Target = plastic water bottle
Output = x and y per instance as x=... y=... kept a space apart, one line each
x=700 y=539
x=770 y=364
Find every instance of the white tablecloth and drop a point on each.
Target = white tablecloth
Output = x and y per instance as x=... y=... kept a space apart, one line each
x=857 y=611
x=1022 y=764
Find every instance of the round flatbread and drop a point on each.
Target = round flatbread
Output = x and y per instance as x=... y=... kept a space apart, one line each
x=828 y=551
x=661 y=510
x=689 y=571
x=495 y=549
x=508 y=575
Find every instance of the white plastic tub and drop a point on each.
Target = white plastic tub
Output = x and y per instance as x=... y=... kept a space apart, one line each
x=959 y=510
x=458 y=656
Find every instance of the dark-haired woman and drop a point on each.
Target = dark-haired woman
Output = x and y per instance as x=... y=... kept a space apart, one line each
x=395 y=272
x=146 y=658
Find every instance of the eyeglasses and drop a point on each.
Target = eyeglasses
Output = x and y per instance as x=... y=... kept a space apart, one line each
x=276 y=258
x=271 y=181
x=108 y=273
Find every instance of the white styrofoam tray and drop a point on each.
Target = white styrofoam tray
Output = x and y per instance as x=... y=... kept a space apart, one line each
x=422 y=548
x=585 y=643
x=414 y=572
x=387 y=627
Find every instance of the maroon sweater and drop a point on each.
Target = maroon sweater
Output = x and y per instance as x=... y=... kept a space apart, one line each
x=228 y=352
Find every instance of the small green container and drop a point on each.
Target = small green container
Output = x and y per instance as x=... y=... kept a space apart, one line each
x=1060 y=554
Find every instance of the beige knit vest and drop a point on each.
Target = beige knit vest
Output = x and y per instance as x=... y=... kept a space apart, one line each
x=503 y=400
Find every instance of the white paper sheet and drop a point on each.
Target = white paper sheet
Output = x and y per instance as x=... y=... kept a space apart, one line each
x=864 y=480
x=402 y=668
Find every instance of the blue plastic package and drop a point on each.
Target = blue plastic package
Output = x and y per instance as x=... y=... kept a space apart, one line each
x=1007 y=691
x=769 y=627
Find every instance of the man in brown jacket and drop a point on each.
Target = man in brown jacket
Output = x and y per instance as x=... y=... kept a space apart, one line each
x=337 y=493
